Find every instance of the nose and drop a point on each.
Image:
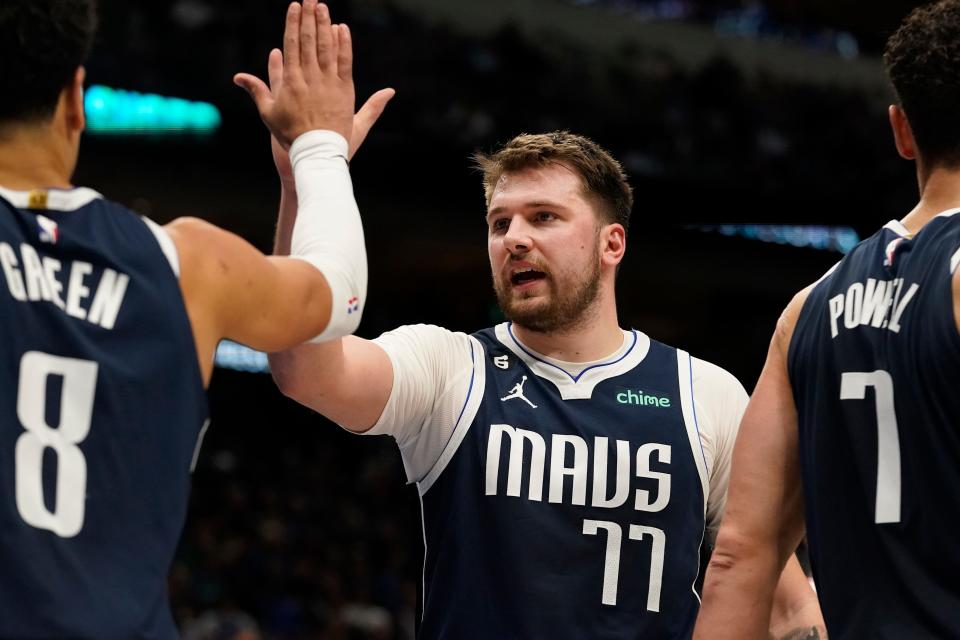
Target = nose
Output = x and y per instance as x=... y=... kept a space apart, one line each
x=517 y=239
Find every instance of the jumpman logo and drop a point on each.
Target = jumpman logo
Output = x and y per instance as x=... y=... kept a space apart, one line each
x=517 y=392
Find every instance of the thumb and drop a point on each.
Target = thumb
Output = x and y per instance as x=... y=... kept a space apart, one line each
x=256 y=88
x=367 y=116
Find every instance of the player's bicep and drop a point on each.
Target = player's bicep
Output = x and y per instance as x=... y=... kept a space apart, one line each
x=764 y=500
x=348 y=380
x=264 y=302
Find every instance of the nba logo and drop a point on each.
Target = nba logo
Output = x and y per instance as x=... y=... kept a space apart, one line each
x=49 y=232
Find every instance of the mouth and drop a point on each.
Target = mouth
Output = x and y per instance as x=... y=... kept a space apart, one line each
x=524 y=278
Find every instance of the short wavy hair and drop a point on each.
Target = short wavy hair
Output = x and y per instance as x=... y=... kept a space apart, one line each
x=42 y=42
x=605 y=182
x=922 y=60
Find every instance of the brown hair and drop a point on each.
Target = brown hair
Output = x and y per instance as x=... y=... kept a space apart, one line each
x=922 y=60
x=604 y=180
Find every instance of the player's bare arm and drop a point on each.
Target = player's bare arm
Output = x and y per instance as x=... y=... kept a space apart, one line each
x=763 y=523
x=222 y=276
x=348 y=380
x=796 y=612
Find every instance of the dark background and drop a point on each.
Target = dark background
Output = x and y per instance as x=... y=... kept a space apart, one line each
x=722 y=112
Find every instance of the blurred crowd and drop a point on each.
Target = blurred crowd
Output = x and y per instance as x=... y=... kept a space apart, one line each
x=297 y=530
x=712 y=133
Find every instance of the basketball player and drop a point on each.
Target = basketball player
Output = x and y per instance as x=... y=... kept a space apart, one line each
x=109 y=323
x=568 y=469
x=853 y=426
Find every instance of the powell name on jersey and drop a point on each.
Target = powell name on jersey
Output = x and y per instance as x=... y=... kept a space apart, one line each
x=874 y=362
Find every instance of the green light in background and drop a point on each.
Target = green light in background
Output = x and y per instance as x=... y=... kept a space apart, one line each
x=115 y=111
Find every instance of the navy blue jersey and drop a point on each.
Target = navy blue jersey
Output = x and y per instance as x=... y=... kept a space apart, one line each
x=101 y=408
x=874 y=364
x=564 y=510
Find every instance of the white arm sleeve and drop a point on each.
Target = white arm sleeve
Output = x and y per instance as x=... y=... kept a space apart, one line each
x=719 y=400
x=432 y=372
x=328 y=233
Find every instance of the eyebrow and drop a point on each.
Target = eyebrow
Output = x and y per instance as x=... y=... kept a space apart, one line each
x=538 y=204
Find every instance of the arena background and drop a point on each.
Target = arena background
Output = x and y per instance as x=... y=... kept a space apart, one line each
x=741 y=124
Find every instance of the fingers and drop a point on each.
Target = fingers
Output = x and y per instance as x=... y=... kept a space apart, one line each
x=326 y=55
x=373 y=108
x=308 y=35
x=256 y=88
x=335 y=44
x=345 y=53
x=368 y=115
x=275 y=70
x=291 y=39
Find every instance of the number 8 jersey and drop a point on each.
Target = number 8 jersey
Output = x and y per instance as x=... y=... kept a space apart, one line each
x=559 y=501
x=101 y=409
x=874 y=364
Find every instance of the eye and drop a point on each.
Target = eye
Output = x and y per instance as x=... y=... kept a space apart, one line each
x=544 y=216
x=499 y=224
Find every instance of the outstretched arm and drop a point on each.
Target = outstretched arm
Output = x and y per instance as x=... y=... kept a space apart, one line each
x=763 y=523
x=230 y=289
x=349 y=380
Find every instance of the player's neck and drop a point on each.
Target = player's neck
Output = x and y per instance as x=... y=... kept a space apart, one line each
x=33 y=158
x=940 y=191
x=595 y=339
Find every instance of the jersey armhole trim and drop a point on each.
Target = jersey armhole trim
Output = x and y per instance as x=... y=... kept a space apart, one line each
x=685 y=375
x=467 y=413
x=166 y=244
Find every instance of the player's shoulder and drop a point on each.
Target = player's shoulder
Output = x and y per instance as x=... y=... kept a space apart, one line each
x=191 y=234
x=711 y=377
x=424 y=331
x=787 y=322
x=425 y=337
x=704 y=374
x=200 y=246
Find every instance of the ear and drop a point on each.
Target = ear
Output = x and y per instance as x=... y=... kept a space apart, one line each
x=74 y=110
x=902 y=133
x=613 y=244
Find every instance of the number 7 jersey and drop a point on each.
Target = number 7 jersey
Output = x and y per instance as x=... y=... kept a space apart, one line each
x=101 y=409
x=874 y=364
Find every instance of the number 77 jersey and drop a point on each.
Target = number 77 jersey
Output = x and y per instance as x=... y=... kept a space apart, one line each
x=101 y=405
x=570 y=505
x=874 y=365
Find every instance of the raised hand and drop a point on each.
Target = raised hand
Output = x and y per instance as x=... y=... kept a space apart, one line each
x=363 y=121
x=311 y=81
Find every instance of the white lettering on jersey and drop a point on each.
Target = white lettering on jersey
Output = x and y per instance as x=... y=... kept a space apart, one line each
x=571 y=456
x=515 y=472
x=559 y=468
x=32 y=279
x=876 y=303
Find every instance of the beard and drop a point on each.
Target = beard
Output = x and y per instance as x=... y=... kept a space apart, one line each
x=566 y=308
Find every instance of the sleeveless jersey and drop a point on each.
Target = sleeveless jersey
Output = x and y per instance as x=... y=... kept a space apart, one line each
x=874 y=364
x=101 y=410
x=567 y=511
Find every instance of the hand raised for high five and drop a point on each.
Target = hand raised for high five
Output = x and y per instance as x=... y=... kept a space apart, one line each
x=363 y=121
x=311 y=82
